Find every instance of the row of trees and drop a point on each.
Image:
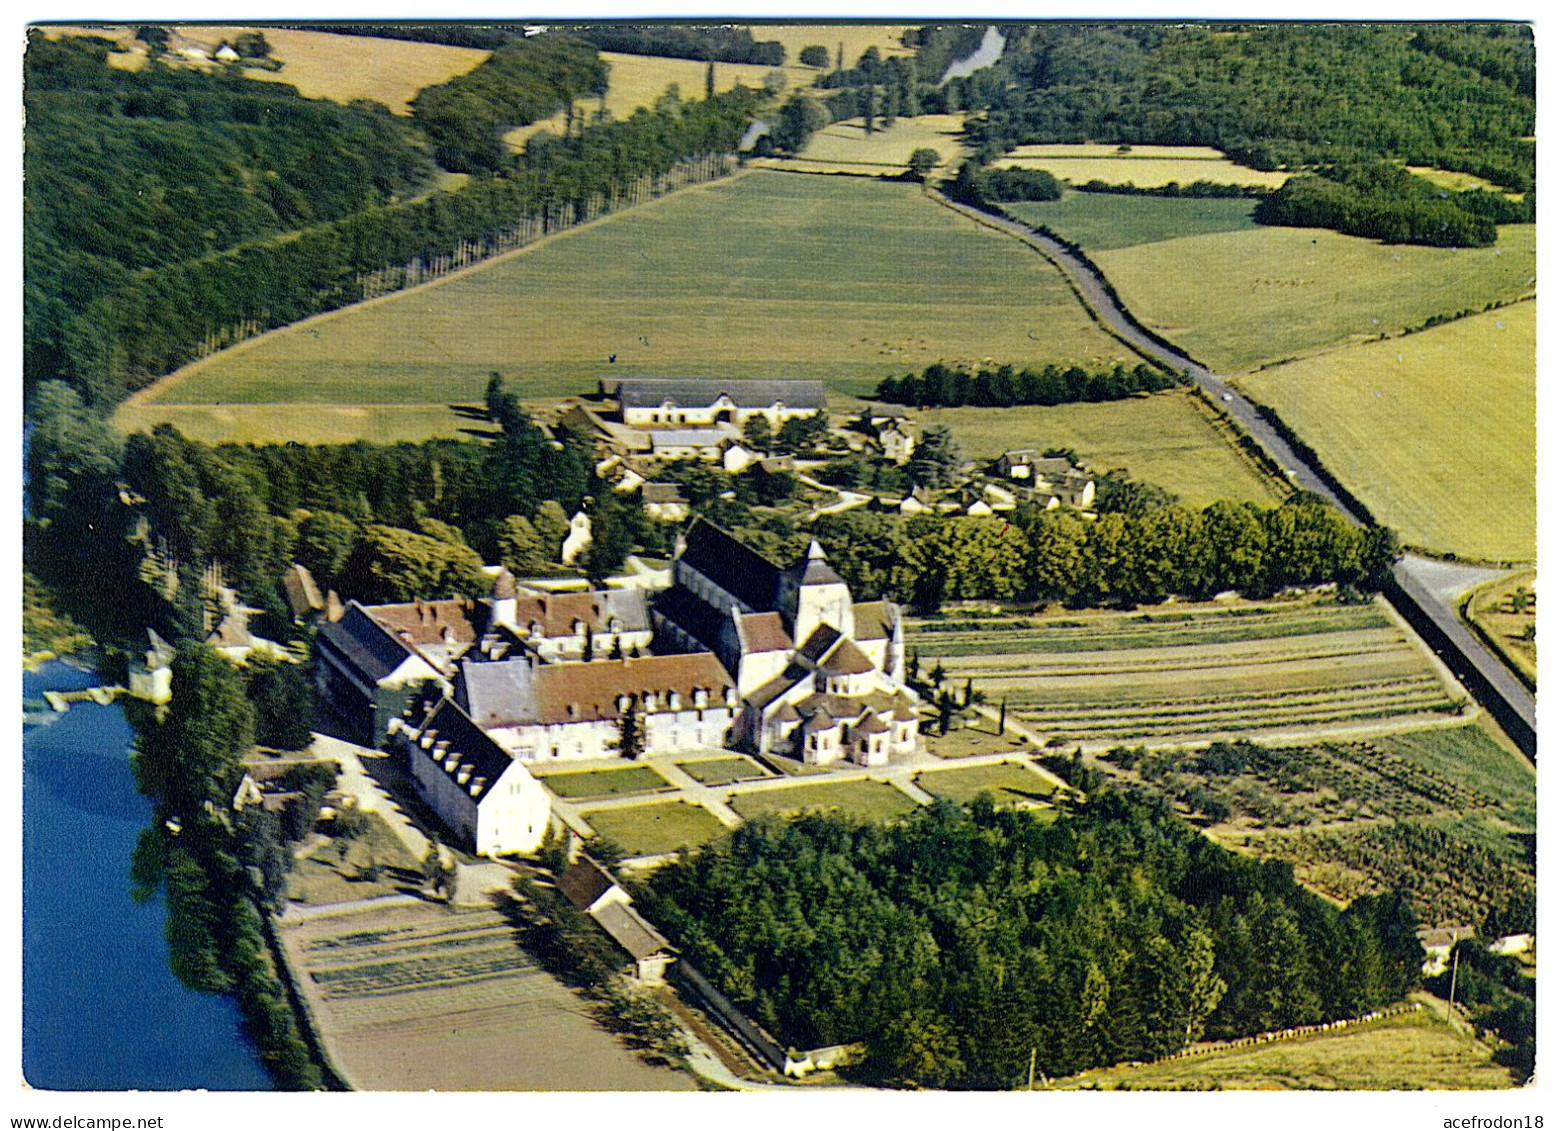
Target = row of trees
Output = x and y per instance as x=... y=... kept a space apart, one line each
x=941 y=386
x=189 y=765
x=978 y=185
x=1119 y=558
x=971 y=947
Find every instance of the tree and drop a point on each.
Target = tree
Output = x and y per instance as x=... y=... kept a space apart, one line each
x=194 y=754
x=758 y=433
x=814 y=56
x=520 y=547
x=936 y=461
x=552 y=525
x=633 y=740
x=252 y=45
x=921 y=162
x=283 y=697
x=324 y=543
x=712 y=80
x=797 y=122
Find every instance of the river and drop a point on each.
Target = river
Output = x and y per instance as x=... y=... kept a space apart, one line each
x=101 y=1010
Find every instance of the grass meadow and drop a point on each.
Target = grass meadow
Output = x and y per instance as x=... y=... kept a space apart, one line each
x=1103 y=222
x=846 y=147
x=1009 y=783
x=604 y=783
x=1237 y=300
x=764 y=275
x=1406 y=1051
x=656 y=828
x=722 y=771
x=1165 y=438
x=861 y=797
x=1435 y=431
x=1236 y=668
x=1147 y=166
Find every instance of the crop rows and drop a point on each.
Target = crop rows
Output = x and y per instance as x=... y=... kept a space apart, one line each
x=1362 y=647
x=1245 y=711
x=1106 y=633
x=438 y=929
x=418 y=973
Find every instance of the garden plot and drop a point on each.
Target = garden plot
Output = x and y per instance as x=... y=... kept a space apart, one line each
x=415 y=997
x=1214 y=670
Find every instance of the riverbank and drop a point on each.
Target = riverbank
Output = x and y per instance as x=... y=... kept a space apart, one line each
x=96 y=1016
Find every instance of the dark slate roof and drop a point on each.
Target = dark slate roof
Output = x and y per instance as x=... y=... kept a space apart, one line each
x=650 y=392
x=819 y=643
x=636 y=936
x=690 y=614
x=583 y=882
x=365 y=644
x=497 y=694
x=662 y=493
x=731 y=565
x=474 y=747
x=815 y=571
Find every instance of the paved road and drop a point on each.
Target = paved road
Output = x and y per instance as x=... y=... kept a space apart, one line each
x=1433 y=617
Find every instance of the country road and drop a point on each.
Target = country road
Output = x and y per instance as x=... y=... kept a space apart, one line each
x=1435 y=619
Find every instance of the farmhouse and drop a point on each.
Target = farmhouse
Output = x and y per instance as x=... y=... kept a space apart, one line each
x=653 y=400
x=475 y=786
x=1051 y=481
x=820 y=677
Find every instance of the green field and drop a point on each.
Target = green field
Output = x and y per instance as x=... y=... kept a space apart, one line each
x=1166 y=439
x=649 y=830
x=1009 y=782
x=769 y=274
x=722 y=771
x=1235 y=300
x=871 y=800
x=1102 y=222
x=1407 y=1051
x=1434 y=431
x=1234 y=668
x=604 y=783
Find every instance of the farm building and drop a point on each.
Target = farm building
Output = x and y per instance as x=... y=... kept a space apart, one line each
x=665 y=501
x=821 y=678
x=653 y=400
x=1050 y=481
x=688 y=443
x=478 y=790
x=592 y=890
x=153 y=680
x=889 y=431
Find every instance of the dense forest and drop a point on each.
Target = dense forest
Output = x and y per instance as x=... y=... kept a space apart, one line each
x=969 y=947
x=1384 y=202
x=109 y=328
x=1455 y=97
